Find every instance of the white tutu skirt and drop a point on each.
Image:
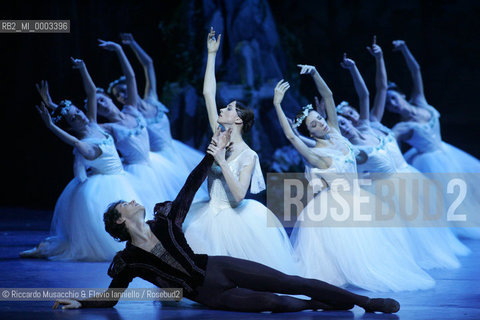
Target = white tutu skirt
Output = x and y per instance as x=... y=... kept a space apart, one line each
x=249 y=231
x=372 y=258
x=172 y=174
x=172 y=177
x=78 y=231
x=147 y=186
x=432 y=243
x=444 y=165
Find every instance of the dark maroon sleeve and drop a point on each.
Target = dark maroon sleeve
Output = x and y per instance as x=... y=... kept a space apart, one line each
x=182 y=202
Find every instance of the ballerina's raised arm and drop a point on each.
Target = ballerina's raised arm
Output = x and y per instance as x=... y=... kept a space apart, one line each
x=417 y=95
x=209 y=82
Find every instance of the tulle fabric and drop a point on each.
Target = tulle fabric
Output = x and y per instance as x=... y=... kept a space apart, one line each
x=371 y=258
x=443 y=162
x=246 y=230
x=432 y=243
x=77 y=229
x=183 y=158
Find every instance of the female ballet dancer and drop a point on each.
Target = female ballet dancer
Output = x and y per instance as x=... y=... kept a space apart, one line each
x=420 y=128
x=359 y=256
x=433 y=245
x=128 y=127
x=158 y=252
x=158 y=124
x=229 y=224
x=77 y=231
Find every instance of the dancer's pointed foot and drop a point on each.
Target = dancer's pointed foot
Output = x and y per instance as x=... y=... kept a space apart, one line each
x=382 y=305
x=36 y=252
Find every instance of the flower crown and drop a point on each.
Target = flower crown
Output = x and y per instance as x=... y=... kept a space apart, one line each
x=341 y=105
x=65 y=108
x=306 y=111
x=112 y=84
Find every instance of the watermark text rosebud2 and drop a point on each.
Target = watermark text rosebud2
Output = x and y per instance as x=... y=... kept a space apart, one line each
x=377 y=200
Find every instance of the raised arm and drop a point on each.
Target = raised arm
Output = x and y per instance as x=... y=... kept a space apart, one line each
x=380 y=82
x=360 y=87
x=132 y=92
x=325 y=93
x=209 y=82
x=85 y=149
x=42 y=89
x=147 y=64
x=417 y=95
x=301 y=147
x=89 y=87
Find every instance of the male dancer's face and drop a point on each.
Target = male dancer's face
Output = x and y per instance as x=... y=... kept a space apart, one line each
x=129 y=210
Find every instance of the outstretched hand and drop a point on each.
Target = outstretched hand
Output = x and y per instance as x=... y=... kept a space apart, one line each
x=212 y=43
x=218 y=144
x=77 y=63
x=67 y=304
x=42 y=110
x=109 y=45
x=42 y=89
x=280 y=89
x=127 y=38
x=375 y=50
x=307 y=69
x=398 y=45
x=347 y=63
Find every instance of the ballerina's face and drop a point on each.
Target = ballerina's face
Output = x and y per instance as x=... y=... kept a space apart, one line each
x=228 y=115
x=129 y=210
x=351 y=113
x=105 y=105
x=76 y=118
x=395 y=101
x=120 y=93
x=346 y=127
x=316 y=125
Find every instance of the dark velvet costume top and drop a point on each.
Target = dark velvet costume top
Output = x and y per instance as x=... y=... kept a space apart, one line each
x=171 y=263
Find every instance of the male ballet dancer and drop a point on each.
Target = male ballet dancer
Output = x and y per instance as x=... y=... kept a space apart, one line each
x=157 y=251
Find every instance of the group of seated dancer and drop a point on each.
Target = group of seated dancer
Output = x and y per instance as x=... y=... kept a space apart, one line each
x=220 y=250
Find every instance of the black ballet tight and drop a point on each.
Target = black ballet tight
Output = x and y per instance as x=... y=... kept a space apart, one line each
x=242 y=285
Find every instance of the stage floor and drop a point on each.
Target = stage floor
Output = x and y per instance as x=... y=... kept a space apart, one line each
x=455 y=296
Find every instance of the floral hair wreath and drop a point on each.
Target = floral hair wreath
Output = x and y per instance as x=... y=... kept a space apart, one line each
x=112 y=84
x=66 y=107
x=306 y=111
x=341 y=105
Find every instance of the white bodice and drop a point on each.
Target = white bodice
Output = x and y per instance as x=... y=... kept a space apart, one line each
x=133 y=143
x=159 y=127
x=426 y=135
x=341 y=162
x=107 y=163
x=220 y=194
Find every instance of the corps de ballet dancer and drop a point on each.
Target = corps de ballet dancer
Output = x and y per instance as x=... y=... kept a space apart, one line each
x=361 y=256
x=77 y=231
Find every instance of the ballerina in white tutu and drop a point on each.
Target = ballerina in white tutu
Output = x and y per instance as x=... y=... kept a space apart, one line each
x=160 y=177
x=77 y=229
x=229 y=224
x=420 y=128
x=433 y=245
x=364 y=257
x=185 y=157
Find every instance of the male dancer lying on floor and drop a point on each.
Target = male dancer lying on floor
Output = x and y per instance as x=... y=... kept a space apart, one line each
x=157 y=251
